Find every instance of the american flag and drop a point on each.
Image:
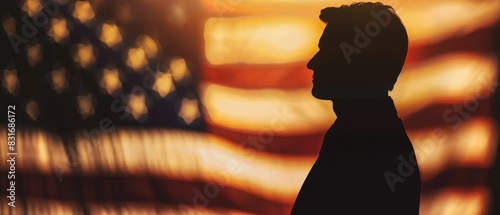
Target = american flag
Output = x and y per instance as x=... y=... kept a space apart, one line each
x=204 y=107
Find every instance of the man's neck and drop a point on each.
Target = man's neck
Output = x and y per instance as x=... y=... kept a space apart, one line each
x=364 y=107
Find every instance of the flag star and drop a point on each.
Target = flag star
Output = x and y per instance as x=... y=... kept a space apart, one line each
x=179 y=69
x=33 y=110
x=147 y=44
x=110 y=80
x=58 y=79
x=11 y=82
x=84 y=54
x=32 y=7
x=85 y=107
x=189 y=110
x=163 y=84
x=34 y=54
x=136 y=58
x=9 y=24
x=137 y=105
x=110 y=35
x=58 y=30
x=83 y=11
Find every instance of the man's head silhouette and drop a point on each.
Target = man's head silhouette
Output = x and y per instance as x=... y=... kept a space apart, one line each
x=362 y=51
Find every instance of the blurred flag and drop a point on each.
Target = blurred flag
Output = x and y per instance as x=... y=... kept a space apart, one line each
x=182 y=107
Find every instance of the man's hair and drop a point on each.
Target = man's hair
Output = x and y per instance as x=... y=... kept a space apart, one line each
x=379 y=63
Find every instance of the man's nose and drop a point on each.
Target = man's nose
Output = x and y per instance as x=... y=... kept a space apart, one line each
x=312 y=63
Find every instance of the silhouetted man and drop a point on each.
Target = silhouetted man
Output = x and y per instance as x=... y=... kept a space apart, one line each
x=367 y=164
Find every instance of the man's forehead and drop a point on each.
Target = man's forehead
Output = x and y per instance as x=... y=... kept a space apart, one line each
x=328 y=37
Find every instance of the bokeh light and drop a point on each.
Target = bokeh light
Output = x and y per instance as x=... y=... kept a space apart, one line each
x=84 y=55
x=58 y=80
x=136 y=58
x=110 y=80
x=205 y=106
x=59 y=29
x=34 y=54
x=110 y=34
x=83 y=12
x=32 y=7
x=11 y=82
x=163 y=84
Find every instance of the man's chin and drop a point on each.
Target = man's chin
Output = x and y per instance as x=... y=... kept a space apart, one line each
x=320 y=94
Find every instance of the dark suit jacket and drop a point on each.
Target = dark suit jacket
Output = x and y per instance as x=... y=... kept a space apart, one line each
x=366 y=165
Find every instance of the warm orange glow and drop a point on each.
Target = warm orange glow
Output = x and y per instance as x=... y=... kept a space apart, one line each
x=193 y=155
x=34 y=54
x=10 y=81
x=68 y=207
x=248 y=69
x=176 y=14
x=132 y=208
x=261 y=39
x=426 y=21
x=225 y=108
x=282 y=111
x=475 y=145
x=110 y=34
x=147 y=44
x=137 y=105
x=136 y=58
x=9 y=24
x=59 y=30
x=47 y=206
x=270 y=176
x=85 y=107
x=37 y=151
x=83 y=11
x=58 y=80
x=163 y=84
x=312 y=8
x=451 y=201
x=32 y=7
x=179 y=69
x=84 y=54
x=33 y=110
x=449 y=78
x=470 y=145
x=251 y=109
x=432 y=22
x=189 y=110
x=110 y=80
